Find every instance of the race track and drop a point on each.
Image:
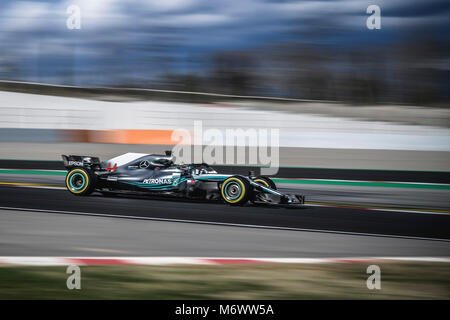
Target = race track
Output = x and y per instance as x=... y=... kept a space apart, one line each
x=38 y=217
x=330 y=219
x=48 y=234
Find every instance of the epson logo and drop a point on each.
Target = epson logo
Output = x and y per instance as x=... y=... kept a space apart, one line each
x=76 y=163
x=158 y=181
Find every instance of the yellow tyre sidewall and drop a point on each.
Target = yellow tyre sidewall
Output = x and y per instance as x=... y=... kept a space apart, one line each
x=85 y=175
x=263 y=182
x=244 y=190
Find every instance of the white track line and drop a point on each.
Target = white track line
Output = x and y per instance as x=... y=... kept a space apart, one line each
x=63 y=261
x=222 y=224
x=365 y=181
x=165 y=91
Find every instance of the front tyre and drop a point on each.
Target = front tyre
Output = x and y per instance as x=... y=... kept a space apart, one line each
x=235 y=190
x=80 y=182
x=265 y=181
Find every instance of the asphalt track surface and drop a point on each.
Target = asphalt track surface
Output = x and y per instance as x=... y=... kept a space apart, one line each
x=324 y=219
x=46 y=221
x=420 y=198
x=47 y=234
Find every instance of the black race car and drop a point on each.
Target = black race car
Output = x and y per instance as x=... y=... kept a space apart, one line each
x=158 y=175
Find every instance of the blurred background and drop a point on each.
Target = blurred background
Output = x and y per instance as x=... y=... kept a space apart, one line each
x=94 y=71
x=320 y=50
x=364 y=126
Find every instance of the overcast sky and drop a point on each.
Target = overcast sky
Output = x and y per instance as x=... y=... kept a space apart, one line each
x=33 y=34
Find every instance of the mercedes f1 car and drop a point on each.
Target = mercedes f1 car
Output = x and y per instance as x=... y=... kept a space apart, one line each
x=158 y=175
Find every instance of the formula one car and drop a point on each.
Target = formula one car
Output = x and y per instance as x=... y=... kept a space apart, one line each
x=158 y=175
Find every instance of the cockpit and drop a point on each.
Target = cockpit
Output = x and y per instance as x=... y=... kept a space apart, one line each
x=155 y=160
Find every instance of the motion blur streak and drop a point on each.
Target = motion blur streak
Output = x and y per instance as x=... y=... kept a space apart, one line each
x=60 y=234
x=360 y=115
x=301 y=49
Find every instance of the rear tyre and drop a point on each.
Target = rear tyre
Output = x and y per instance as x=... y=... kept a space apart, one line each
x=235 y=190
x=80 y=182
x=265 y=181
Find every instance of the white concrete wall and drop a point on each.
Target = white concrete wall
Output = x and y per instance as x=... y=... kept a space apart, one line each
x=18 y=110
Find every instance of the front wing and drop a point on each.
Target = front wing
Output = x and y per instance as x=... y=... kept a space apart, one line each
x=268 y=195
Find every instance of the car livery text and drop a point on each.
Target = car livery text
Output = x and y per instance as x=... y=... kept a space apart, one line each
x=158 y=181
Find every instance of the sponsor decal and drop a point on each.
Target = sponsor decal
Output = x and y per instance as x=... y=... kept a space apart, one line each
x=158 y=181
x=144 y=164
x=76 y=163
x=111 y=169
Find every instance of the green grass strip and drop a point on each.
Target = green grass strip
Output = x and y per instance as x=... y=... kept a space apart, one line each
x=343 y=281
x=36 y=172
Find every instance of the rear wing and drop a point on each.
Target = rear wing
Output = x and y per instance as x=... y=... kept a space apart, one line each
x=89 y=162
